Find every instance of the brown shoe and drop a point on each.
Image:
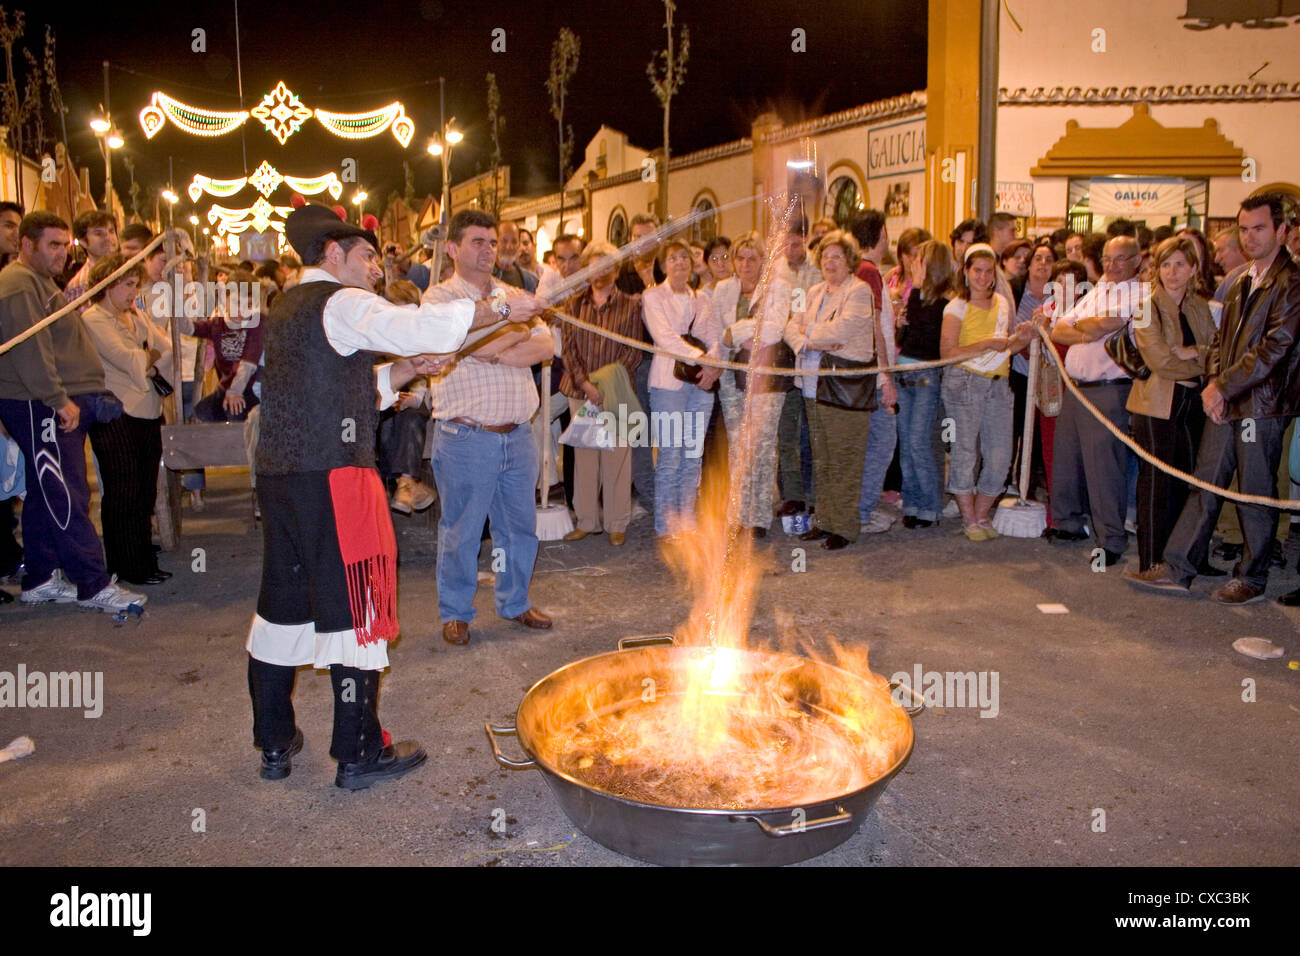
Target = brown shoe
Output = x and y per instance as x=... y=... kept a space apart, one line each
x=617 y=538
x=533 y=618
x=1156 y=578
x=456 y=632
x=577 y=534
x=1237 y=591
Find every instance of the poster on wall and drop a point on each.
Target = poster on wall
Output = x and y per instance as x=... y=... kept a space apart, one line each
x=1015 y=198
x=898 y=201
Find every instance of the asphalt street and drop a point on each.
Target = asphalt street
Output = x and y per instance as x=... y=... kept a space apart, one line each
x=1127 y=730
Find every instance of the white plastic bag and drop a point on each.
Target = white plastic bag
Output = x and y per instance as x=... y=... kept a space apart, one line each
x=586 y=430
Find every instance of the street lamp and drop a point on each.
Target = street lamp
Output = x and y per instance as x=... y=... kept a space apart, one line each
x=172 y=199
x=110 y=138
x=359 y=200
x=440 y=146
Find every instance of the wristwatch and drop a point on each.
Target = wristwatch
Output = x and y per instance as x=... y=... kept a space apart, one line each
x=500 y=305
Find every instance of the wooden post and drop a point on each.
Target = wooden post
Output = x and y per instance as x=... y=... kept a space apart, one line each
x=167 y=509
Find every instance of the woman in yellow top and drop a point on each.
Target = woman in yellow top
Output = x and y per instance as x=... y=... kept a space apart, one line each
x=977 y=393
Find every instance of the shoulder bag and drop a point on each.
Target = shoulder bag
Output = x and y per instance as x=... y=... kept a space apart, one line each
x=1123 y=351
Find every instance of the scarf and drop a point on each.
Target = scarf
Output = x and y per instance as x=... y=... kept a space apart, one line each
x=369 y=550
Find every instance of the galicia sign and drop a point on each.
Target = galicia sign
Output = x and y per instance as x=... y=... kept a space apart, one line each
x=1137 y=198
x=896 y=149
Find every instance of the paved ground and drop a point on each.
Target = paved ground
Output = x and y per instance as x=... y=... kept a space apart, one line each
x=1129 y=704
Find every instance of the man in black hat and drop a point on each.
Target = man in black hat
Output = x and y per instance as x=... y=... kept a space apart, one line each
x=329 y=571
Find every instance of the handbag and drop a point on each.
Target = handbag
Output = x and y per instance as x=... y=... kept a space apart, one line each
x=1050 y=392
x=1123 y=351
x=686 y=372
x=855 y=392
x=160 y=384
x=776 y=355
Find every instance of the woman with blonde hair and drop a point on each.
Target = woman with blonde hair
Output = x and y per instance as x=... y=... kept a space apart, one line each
x=836 y=330
x=976 y=392
x=745 y=309
x=1173 y=332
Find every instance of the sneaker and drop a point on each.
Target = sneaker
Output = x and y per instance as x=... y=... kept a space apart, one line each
x=57 y=589
x=879 y=523
x=950 y=510
x=638 y=511
x=1237 y=591
x=1156 y=578
x=113 y=598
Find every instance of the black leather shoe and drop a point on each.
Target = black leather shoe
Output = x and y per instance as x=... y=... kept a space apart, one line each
x=157 y=577
x=1228 y=551
x=757 y=533
x=912 y=521
x=1290 y=599
x=834 y=542
x=400 y=758
x=814 y=534
x=276 y=763
x=1112 y=558
x=1207 y=570
x=789 y=508
x=1060 y=534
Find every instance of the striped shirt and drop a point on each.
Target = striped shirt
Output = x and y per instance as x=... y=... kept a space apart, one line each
x=585 y=352
x=481 y=392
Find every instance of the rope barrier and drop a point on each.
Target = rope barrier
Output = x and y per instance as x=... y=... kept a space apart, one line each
x=1283 y=504
x=76 y=303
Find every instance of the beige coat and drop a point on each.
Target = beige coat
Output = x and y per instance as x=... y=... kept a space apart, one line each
x=1156 y=340
x=846 y=320
x=126 y=363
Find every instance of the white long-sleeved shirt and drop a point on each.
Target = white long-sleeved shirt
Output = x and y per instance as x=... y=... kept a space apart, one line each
x=1088 y=361
x=356 y=320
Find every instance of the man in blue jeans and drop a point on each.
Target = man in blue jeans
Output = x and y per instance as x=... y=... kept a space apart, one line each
x=51 y=391
x=484 y=456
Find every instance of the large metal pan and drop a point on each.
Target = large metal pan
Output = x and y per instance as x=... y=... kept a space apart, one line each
x=677 y=836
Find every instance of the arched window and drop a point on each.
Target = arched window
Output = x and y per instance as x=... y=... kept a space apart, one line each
x=706 y=227
x=842 y=202
x=617 y=231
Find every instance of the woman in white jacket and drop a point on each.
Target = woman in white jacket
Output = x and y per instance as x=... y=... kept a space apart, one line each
x=743 y=308
x=672 y=310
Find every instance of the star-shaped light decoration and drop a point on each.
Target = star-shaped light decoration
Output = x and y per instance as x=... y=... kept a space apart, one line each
x=262 y=212
x=281 y=112
x=265 y=179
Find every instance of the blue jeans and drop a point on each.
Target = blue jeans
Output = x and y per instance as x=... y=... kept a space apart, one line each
x=882 y=439
x=677 y=473
x=918 y=407
x=57 y=532
x=482 y=474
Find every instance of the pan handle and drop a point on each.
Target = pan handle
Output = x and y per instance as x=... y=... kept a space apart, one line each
x=644 y=640
x=920 y=701
x=840 y=818
x=501 y=758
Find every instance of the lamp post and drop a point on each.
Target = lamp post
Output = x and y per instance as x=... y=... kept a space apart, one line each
x=110 y=138
x=359 y=200
x=440 y=146
x=172 y=199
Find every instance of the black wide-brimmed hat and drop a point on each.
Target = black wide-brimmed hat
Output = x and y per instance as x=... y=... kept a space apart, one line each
x=311 y=224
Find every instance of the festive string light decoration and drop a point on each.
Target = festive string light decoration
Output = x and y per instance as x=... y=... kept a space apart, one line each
x=258 y=216
x=192 y=119
x=282 y=113
x=365 y=125
x=214 y=187
x=265 y=179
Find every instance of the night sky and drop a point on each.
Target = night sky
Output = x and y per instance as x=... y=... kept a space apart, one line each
x=350 y=57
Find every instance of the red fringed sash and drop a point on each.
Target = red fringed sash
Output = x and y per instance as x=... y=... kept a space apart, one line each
x=369 y=550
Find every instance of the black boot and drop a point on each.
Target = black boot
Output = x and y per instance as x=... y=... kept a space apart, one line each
x=271 y=688
x=358 y=738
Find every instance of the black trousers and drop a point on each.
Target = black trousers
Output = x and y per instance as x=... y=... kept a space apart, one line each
x=401 y=441
x=1160 y=497
x=11 y=552
x=357 y=737
x=1251 y=450
x=128 y=450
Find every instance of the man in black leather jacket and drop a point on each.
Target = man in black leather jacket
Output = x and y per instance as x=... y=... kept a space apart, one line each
x=1252 y=391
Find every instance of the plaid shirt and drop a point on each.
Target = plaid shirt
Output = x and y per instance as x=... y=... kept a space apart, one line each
x=78 y=285
x=480 y=391
x=585 y=352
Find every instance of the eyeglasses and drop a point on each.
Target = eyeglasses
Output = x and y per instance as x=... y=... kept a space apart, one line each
x=1107 y=260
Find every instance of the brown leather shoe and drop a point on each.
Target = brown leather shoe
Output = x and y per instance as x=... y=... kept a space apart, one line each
x=577 y=534
x=456 y=632
x=617 y=538
x=1237 y=591
x=533 y=618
